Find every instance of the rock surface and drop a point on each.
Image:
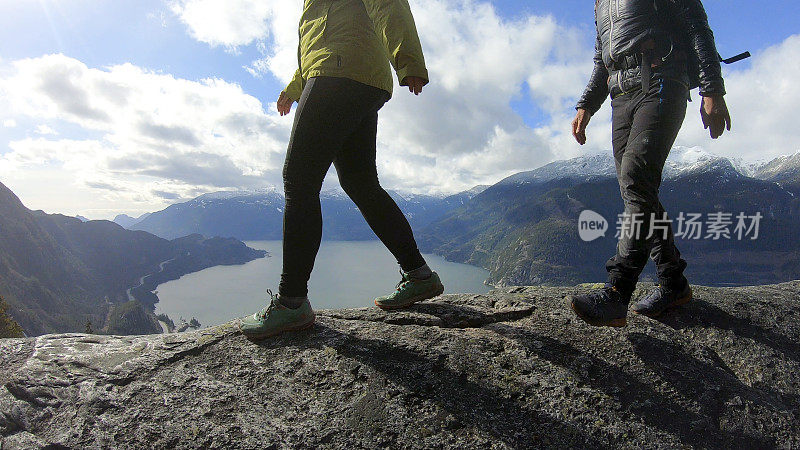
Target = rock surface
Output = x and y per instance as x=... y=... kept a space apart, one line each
x=510 y=369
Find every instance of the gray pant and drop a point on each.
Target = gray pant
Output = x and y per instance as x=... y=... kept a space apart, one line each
x=645 y=126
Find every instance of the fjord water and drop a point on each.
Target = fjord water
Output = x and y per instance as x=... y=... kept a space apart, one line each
x=346 y=275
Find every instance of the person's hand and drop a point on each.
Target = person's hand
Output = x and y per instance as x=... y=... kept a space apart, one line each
x=414 y=84
x=284 y=104
x=715 y=115
x=579 y=125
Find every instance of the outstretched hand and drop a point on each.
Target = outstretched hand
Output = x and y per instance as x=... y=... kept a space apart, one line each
x=579 y=124
x=715 y=115
x=414 y=84
x=284 y=104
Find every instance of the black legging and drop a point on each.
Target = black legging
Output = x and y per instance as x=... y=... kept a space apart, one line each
x=336 y=122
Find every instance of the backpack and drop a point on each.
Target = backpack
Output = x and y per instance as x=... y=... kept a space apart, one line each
x=662 y=8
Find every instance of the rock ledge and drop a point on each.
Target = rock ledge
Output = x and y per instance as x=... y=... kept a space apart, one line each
x=509 y=369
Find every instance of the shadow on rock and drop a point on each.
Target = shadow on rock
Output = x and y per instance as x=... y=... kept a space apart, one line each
x=702 y=314
x=637 y=397
x=714 y=389
x=425 y=375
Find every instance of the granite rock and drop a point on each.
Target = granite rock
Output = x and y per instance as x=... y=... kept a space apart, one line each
x=510 y=369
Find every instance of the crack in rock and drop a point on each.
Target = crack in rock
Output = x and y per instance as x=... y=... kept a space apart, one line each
x=40 y=396
x=435 y=315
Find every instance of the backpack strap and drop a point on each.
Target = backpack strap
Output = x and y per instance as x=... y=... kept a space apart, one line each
x=646 y=70
x=734 y=59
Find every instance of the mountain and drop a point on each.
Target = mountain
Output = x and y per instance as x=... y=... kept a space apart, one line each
x=475 y=190
x=589 y=167
x=524 y=229
x=126 y=221
x=598 y=166
x=511 y=369
x=9 y=328
x=57 y=273
x=784 y=170
x=258 y=215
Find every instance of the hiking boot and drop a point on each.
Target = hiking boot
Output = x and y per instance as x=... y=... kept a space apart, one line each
x=605 y=307
x=409 y=291
x=662 y=299
x=276 y=319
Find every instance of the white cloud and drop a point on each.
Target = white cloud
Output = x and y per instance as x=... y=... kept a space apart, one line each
x=229 y=23
x=762 y=99
x=479 y=63
x=9 y=123
x=271 y=25
x=46 y=130
x=464 y=123
x=148 y=133
x=147 y=137
x=462 y=131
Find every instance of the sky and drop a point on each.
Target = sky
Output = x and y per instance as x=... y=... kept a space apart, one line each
x=127 y=106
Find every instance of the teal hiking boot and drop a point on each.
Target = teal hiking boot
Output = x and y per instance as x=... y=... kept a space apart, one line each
x=410 y=291
x=276 y=319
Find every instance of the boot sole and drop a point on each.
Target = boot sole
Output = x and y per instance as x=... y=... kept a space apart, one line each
x=439 y=291
x=262 y=336
x=679 y=302
x=614 y=323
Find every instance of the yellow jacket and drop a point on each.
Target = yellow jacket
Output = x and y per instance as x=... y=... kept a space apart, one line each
x=355 y=39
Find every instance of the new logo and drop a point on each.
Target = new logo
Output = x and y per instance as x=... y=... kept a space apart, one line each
x=591 y=225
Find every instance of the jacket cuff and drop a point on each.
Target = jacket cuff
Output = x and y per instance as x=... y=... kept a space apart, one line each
x=412 y=70
x=592 y=108
x=295 y=88
x=293 y=92
x=716 y=91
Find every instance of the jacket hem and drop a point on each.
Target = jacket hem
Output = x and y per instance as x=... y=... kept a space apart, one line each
x=370 y=81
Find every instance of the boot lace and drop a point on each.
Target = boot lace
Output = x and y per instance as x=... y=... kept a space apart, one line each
x=403 y=282
x=612 y=295
x=264 y=313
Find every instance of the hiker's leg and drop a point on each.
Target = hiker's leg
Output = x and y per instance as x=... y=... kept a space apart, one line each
x=609 y=306
x=664 y=253
x=358 y=176
x=327 y=113
x=657 y=118
x=622 y=109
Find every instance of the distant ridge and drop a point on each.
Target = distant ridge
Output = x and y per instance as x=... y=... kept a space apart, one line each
x=258 y=215
x=58 y=274
x=126 y=221
x=524 y=228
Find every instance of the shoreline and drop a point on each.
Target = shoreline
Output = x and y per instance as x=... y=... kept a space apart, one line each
x=223 y=294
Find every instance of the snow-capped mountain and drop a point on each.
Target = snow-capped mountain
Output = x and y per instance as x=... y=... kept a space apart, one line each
x=597 y=165
x=227 y=195
x=524 y=229
x=258 y=214
x=477 y=190
x=681 y=161
x=684 y=160
x=784 y=169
